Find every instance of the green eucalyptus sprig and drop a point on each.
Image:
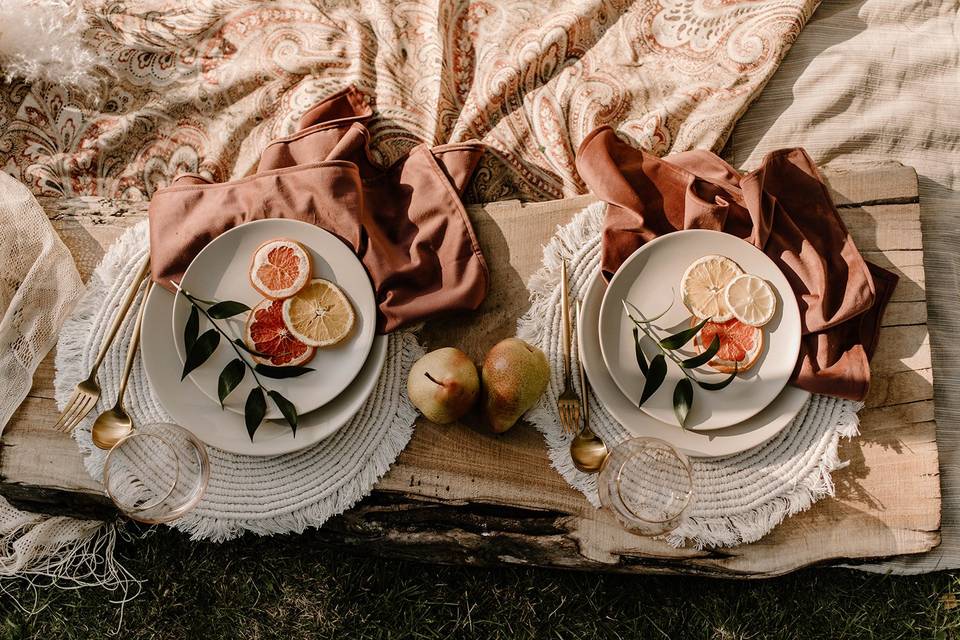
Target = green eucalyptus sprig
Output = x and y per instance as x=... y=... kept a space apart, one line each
x=200 y=347
x=655 y=371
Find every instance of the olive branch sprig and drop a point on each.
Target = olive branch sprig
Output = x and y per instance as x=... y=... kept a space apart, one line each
x=200 y=347
x=655 y=371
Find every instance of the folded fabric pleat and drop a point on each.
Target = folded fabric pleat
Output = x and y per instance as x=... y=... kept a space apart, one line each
x=405 y=222
x=784 y=209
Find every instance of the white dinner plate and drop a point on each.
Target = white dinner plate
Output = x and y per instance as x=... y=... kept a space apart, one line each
x=721 y=442
x=191 y=409
x=650 y=279
x=221 y=272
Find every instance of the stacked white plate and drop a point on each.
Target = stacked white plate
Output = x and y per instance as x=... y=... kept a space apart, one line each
x=326 y=398
x=756 y=406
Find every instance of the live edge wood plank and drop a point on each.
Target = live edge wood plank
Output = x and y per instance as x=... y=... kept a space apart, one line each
x=458 y=494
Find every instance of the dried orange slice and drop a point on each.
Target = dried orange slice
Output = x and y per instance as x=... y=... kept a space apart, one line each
x=740 y=344
x=319 y=315
x=266 y=333
x=279 y=268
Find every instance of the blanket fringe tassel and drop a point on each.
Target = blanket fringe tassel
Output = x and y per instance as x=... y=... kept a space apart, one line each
x=62 y=552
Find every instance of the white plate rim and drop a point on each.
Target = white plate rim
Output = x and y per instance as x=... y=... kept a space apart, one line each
x=335 y=251
x=751 y=433
x=225 y=430
x=790 y=311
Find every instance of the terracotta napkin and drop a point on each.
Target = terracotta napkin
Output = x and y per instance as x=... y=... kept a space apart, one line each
x=405 y=222
x=784 y=209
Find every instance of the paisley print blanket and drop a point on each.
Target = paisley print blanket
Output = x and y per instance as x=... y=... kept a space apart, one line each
x=202 y=86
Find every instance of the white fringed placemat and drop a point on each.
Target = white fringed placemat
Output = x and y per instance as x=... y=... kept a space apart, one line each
x=278 y=494
x=738 y=498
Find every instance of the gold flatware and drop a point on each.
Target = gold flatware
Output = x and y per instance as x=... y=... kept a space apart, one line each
x=587 y=449
x=568 y=404
x=113 y=424
x=87 y=393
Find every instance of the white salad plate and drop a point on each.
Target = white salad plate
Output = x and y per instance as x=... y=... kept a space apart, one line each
x=750 y=433
x=221 y=272
x=650 y=279
x=193 y=410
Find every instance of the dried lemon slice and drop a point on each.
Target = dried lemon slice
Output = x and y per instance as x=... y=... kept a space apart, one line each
x=703 y=284
x=751 y=299
x=319 y=315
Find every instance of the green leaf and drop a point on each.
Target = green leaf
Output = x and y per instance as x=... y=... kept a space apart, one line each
x=191 y=329
x=641 y=358
x=254 y=410
x=281 y=372
x=682 y=400
x=230 y=377
x=227 y=309
x=287 y=409
x=629 y=306
x=703 y=358
x=655 y=376
x=716 y=386
x=681 y=338
x=202 y=349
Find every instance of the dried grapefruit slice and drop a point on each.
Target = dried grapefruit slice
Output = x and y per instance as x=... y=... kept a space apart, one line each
x=319 y=315
x=279 y=268
x=740 y=344
x=266 y=333
x=703 y=284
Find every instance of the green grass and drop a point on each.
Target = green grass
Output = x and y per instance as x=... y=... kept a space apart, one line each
x=291 y=587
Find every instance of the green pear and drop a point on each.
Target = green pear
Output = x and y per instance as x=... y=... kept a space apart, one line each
x=514 y=376
x=443 y=385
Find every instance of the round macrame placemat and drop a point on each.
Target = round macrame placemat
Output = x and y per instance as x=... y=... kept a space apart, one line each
x=738 y=498
x=277 y=494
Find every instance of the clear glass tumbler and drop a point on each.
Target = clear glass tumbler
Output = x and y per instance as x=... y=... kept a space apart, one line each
x=647 y=484
x=157 y=474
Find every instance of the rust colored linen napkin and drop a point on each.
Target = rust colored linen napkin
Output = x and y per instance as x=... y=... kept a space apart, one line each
x=405 y=222
x=784 y=209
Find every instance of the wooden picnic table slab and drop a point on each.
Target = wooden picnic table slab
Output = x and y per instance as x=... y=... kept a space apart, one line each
x=458 y=494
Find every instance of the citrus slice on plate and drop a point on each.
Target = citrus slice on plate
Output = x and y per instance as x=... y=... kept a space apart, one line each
x=740 y=345
x=319 y=315
x=703 y=285
x=751 y=299
x=266 y=333
x=279 y=268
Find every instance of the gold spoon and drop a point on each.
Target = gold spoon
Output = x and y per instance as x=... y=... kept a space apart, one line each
x=587 y=450
x=113 y=424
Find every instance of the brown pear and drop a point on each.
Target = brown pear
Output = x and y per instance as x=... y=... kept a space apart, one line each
x=443 y=385
x=514 y=376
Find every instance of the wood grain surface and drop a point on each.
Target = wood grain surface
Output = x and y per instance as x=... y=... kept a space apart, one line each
x=458 y=494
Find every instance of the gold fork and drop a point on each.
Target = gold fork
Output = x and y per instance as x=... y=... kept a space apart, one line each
x=568 y=404
x=87 y=393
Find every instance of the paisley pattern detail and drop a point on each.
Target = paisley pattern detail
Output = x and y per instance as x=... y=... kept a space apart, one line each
x=203 y=86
